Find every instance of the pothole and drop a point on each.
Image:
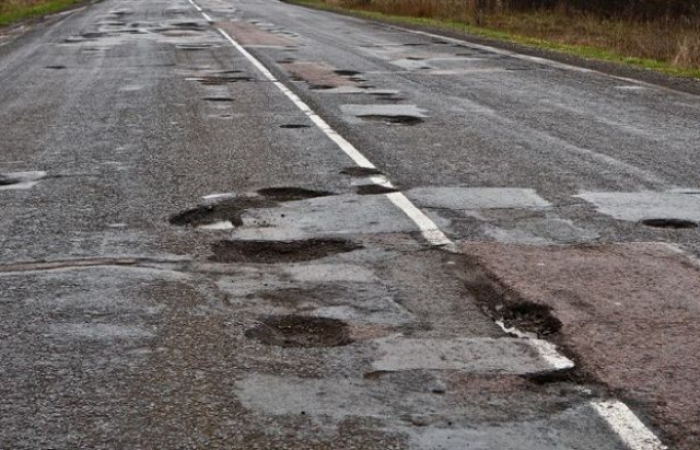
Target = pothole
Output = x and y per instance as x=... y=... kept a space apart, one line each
x=193 y=46
x=393 y=120
x=294 y=126
x=361 y=171
x=374 y=189
x=214 y=81
x=675 y=224
x=530 y=317
x=227 y=210
x=270 y=252
x=288 y=194
x=218 y=99
x=301 y=331
x=56 y=67
x=414 y=58
x=321 y=87
x=8 y=181
x=347 y=73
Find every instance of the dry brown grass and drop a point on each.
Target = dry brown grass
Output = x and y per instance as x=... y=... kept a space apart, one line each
x=675 y=41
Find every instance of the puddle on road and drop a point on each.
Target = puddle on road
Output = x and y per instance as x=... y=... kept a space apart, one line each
x=301 y=331
x=271 y=252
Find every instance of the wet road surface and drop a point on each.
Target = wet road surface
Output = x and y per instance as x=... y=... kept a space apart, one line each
x=245 y=224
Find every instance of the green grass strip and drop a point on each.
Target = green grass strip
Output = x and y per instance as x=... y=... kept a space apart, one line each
x=582 y=51
x=16 y=13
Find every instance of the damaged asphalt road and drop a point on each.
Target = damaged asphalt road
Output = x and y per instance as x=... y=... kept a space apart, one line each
x=248 y=225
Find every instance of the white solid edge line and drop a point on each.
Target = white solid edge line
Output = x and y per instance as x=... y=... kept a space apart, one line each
x=427 y=227
x=633 y=433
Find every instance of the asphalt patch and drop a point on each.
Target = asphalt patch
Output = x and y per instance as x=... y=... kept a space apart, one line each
x=393 y=120
x=675 y=224
x=374 y=189
x=301 y=331
x=531 y=317
x=271 y=252
x=361 y=171
x=289 y=194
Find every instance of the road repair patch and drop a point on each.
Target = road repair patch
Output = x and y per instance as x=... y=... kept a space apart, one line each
x=628 y=311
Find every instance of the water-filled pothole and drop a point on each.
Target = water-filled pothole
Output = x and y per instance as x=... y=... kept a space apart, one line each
x=361 y=171
x=270 y=252
x=675 y=224
x=531 y=317
x=288 y=194
x=374 y=189
x=393 y=120
x=301 y=331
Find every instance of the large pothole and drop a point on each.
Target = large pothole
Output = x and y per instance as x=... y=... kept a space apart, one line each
x=530 y=317
x=270 y=252
x=301 y=331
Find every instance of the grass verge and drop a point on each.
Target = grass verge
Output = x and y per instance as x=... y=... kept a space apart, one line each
x=15 y=12
x=589 y=52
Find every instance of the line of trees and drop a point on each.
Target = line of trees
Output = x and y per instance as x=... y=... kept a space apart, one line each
x=636 y=9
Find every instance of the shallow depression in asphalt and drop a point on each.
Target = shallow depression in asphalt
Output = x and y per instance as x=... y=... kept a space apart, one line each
x=393 y=120
x=675 y=224
x=301 y=331
x=270 y=252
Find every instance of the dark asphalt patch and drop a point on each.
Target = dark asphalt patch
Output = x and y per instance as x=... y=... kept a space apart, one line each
x=288 y=194
x=301 y=331
x=361 y=171
x=393 y=120
x=531 y=317
x=675 y=224
x=374 y=189
x=230 y=210
x=294 y=126
x=270 y=252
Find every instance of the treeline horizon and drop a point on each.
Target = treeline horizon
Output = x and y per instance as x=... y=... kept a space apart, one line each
x=629 y=9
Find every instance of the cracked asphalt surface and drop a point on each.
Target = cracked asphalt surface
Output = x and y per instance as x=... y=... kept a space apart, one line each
x=188 y=262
